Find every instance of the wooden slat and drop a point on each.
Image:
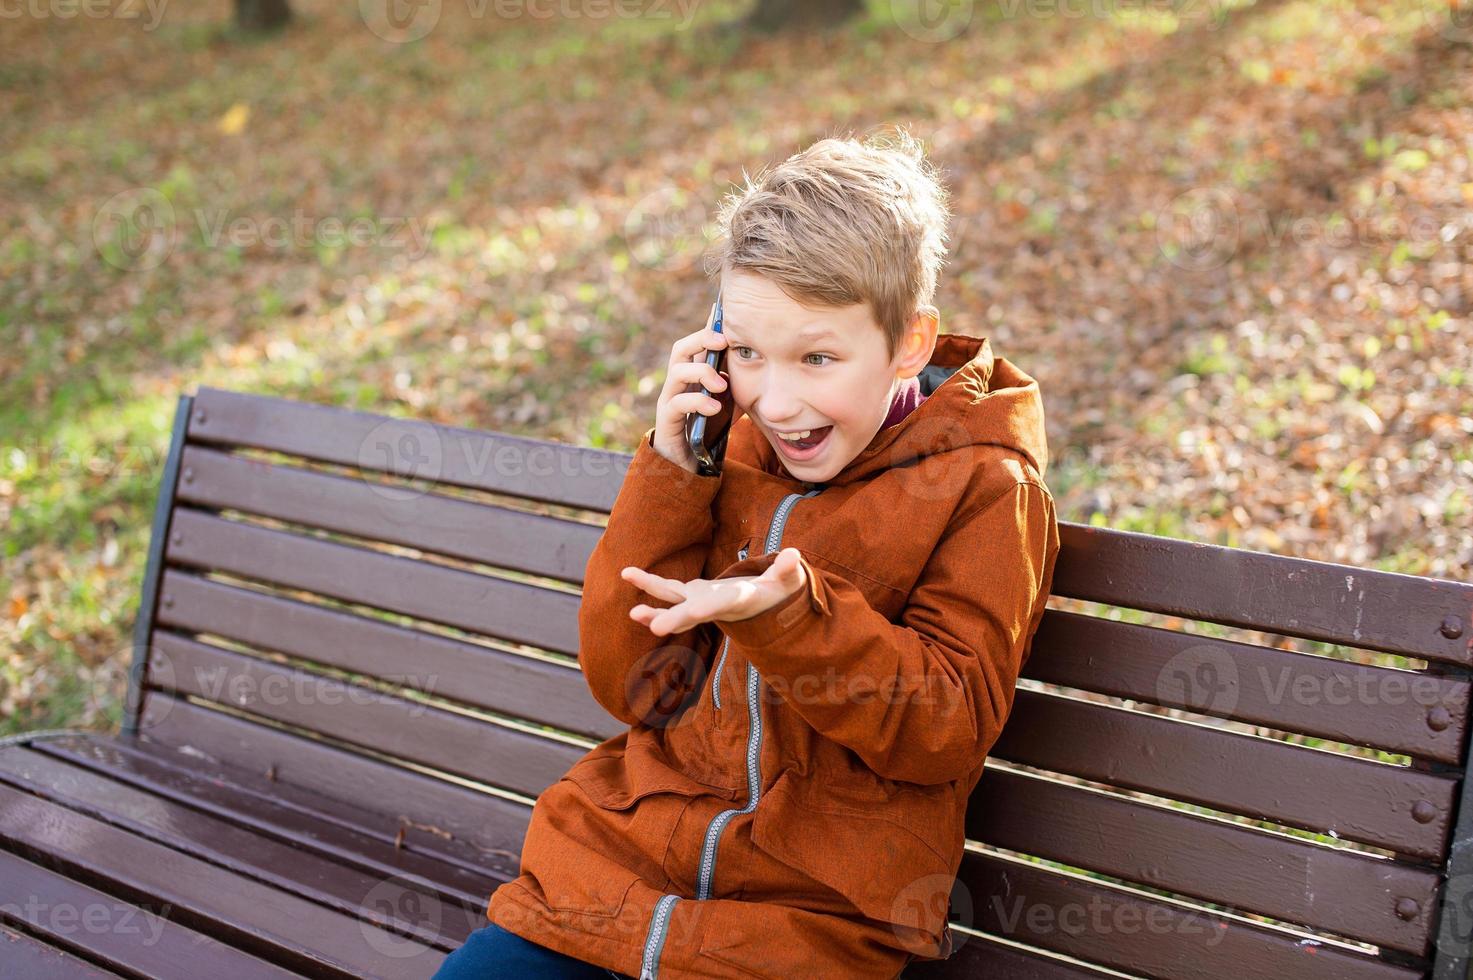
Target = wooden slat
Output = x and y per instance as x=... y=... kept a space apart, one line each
x=532 y=543
x=534 y=469
x=500 y=608
x=1315 y=600
x=1127 y=930
x=1395 y=807
x=375 y=795
x=266 y=921
x=982 y=956
x=115 y=931
x=540 y=691
x=26 y=956
x=389 y=724
x=1330 y=889
x=1409 y=712
x=417 y=852
x=375 y=898
x=268 y=820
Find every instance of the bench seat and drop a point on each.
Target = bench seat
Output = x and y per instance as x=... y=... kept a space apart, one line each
x=355 y=671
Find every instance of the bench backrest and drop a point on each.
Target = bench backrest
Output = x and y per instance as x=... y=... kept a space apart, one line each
x=334 y=595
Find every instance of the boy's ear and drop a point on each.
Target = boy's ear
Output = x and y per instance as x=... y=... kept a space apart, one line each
x=919 y=342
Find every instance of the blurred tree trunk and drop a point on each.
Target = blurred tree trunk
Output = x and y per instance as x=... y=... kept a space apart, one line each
x=778 y=15
x=256 y=16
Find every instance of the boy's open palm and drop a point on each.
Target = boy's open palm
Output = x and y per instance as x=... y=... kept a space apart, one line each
x=709 y=600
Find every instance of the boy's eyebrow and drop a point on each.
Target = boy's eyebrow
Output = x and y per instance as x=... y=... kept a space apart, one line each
x=812 y=333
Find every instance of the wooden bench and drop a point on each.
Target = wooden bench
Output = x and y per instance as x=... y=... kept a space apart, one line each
x=356 y=668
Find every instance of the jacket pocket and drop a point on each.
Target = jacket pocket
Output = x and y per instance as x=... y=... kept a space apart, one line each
x=867 y=854
x=618 y=780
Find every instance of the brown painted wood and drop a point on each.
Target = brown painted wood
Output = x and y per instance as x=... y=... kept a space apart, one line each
x=376 y=898
x=29 y=957
x=1330 y=889
x=373 y=794
x=536 y=469
x=245 y=913
x=279 y=754
x=431 y=522
x=494 y=607
x=1136 y=932
x=117 y=932
x=1315 y=600
x=185 y=780
x=133 y=791
x=538 y=690
x=411 y=730
x=1394 y=807
x=986 y=956
x=1407 y=712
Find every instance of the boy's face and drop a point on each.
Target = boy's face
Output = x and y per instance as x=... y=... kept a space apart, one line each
x=795 y=368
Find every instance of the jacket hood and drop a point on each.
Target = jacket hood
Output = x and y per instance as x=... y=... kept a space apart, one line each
x=974 y=398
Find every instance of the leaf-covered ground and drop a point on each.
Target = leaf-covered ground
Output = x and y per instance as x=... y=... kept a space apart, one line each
x=1232 y=243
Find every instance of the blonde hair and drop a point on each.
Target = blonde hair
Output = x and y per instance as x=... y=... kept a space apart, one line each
x=840 y=223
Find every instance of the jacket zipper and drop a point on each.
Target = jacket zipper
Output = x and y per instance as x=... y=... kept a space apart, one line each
x=660 y=922
x=721 y=660
x=754 y=728
x=649 y=967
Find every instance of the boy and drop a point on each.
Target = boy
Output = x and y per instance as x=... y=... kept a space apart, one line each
x=816 y=649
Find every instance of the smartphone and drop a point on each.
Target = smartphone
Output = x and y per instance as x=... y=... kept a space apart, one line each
x=706 y=434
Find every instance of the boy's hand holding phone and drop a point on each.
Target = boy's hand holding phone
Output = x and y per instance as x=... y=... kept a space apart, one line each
x=687 y=382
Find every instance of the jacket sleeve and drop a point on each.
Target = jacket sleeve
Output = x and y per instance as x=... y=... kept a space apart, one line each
x=922 y=700
x=661 y=521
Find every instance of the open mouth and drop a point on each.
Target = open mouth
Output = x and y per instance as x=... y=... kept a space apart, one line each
x=807 y=448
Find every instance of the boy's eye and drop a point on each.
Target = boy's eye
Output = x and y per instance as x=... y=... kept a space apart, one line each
x=743 y=357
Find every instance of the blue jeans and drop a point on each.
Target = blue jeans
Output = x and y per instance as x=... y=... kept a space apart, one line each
x=492 y=952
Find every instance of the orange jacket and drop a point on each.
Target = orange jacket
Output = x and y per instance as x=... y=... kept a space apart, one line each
x=789 y=798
